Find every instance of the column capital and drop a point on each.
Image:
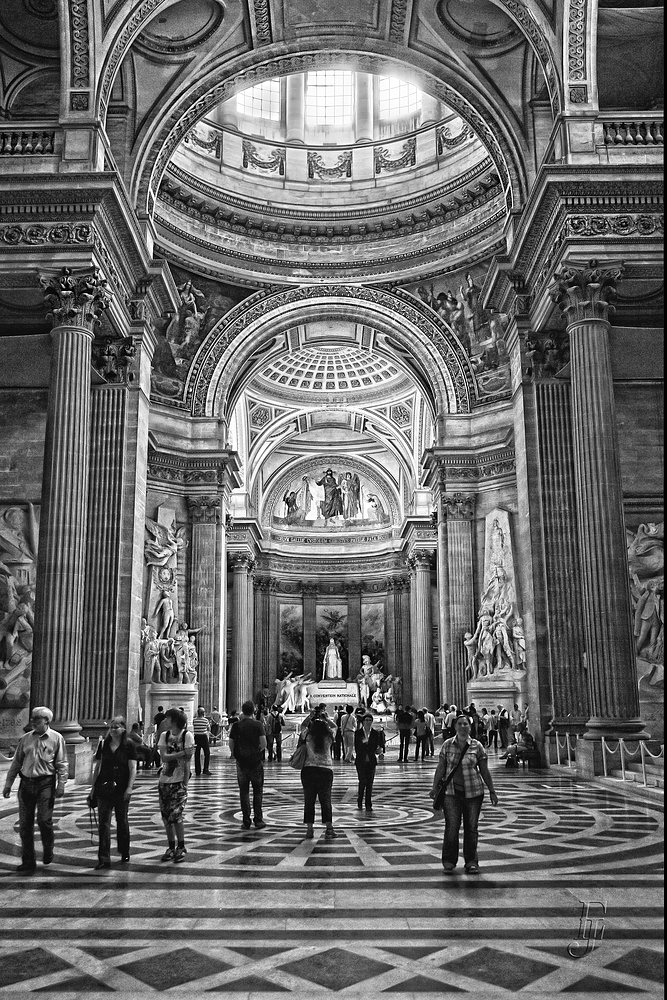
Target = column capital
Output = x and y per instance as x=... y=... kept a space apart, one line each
x=309 y=589
x=354 y=588
x=459 y=506
x=112 y=358
x=204 y=510
x=241 y=562
x=582 y=291
x=421 y=559
x=262 y=583
x=75 y=298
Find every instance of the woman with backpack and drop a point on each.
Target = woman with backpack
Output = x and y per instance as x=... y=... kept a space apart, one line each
x=176 y=746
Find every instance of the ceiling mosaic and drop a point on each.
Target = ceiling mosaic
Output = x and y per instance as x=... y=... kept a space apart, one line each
x=331 y=369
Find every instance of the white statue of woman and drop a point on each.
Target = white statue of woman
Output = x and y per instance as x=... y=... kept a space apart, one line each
x=333 y=665
x=519 y=641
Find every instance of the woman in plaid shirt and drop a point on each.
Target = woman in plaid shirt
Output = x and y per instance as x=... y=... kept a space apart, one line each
x=464 y=759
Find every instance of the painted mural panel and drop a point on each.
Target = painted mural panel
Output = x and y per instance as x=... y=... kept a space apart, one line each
x=331 y=623
x=19 y=532
x=372 y=632
x=332 y=498
x=291 y=638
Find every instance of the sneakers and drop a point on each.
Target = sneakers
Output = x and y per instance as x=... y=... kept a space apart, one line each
x=330 y=834
x=472 y=869
x=168 y=854
x=179 y=854
x=260 y=825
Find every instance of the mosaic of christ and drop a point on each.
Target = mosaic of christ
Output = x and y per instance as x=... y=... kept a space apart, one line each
x=332 y=498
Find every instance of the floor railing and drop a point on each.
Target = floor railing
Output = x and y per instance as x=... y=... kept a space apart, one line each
x=566 y=742
x=641 y=751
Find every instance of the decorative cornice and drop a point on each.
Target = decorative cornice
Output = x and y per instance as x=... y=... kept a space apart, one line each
x=643 y=224
x=75 y=298
x=583 y=291
x=31 y=235
x=208 y=471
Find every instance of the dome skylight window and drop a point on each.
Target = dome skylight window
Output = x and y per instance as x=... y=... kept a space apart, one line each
x=260 y=101
x=397 y=99
x=329 y=97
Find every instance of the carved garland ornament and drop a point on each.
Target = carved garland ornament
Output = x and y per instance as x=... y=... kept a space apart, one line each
x=39 y=235
x=616 y=225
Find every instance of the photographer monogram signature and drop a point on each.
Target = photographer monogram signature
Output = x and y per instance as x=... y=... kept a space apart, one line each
x=591 y=930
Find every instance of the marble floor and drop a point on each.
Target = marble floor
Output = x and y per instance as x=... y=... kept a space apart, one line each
x=267 y=913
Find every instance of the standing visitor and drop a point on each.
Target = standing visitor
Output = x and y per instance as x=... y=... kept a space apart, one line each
x=516 y=716
x=201 y=730
x=216 y=726
x=348 y=728
x=317 y=772
x=429 y=719
x=176 y=745
x=503 y=726
x=114 y=774
x=404 y=724
x=492 y=729
x=368 y=742
x=421 y=738
x=463 y=766
x=450 y=720
x=337 y=748
x=274 y=733
x=247 y=743
x=41 y=762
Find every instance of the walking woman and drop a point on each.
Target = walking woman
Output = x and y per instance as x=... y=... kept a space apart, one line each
x=463 y=767
x=317 y=772
x=367 y=743
x=114 y=774
x=421 y=734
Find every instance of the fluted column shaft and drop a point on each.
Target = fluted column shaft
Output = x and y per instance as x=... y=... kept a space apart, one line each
x=296 y=107
x=610 y=650
x=274 y=633
x=423 y=680
x=309 y=595
x=205 y=516
x=261 y=619
x=56 y=670
x=445 y=667
x=363 y=107
x=239 y=681
x=460 y=565
x=354 y=629
x=404 y=626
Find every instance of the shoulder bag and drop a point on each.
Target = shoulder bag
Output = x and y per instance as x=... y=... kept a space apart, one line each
x=298 y=758
x=439 y=797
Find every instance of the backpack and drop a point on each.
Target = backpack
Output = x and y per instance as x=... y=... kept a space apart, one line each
x=246 y=748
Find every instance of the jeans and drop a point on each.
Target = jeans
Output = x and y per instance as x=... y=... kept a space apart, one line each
x=247 y=777
x=430 y=743
x=317 y=782
x=404 y=735
x=201 y=743
x=36 y=793
x=493 y=738
x=458 y=807
x=105 y=808
x=276 y=739
x=421 y=741
x=366 y=776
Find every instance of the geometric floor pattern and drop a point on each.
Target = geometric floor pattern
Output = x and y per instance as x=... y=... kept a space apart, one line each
x=263 y=914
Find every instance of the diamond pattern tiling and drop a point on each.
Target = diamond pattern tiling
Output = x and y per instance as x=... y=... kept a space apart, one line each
x=336 y=969
x=513 y=972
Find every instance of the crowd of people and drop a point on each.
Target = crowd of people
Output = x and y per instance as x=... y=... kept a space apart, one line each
x=349 y=736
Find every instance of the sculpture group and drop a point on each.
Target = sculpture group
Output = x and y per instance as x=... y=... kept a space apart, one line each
x=169 y=660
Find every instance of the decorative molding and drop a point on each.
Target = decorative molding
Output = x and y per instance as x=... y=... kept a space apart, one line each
x=37 y=234
x=125 y=39
x=262 y=22
x=579 y=95
x=399 y=11
x=17 y=143
x=459 y=506
x=204 y=509
x=79 y=42
x=317 y=168
x=407 y=157
x=576 y=40
x=75 y=298
x=275 y=162
x=79 y=102
x=583 y=291
x=187 y=472
x=444 y=139
x=211 y=145
x=616 y=225
x=112 y=358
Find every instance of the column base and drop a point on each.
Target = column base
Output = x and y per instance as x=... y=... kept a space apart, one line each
x=70 y=730
x=615 y=729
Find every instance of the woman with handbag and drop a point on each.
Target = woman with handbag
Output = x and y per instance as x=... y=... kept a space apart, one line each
x=458 y=788
x=318 y=732
x=114 y=774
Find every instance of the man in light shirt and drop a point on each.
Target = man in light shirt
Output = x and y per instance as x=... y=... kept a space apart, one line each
x=41 y=762
x=429 y=719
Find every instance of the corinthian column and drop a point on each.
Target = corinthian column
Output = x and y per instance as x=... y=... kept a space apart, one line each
x=459 y=511
x=353 y=591
x=239 y=681
x=423 y=680
x=583 y=293
x=309 y=597
x=76 y=302
x=205 y=517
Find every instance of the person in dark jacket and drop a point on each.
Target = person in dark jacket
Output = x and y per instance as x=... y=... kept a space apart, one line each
x=367 y=743
x=116 y=768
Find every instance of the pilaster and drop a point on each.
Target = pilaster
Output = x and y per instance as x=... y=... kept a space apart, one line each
x=240 y=679
x=204 y=512
x=309 y=593
x=354 y=592
x=423 y=680
x=459 y=512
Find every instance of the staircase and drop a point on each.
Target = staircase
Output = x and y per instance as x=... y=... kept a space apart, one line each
x=655 y=772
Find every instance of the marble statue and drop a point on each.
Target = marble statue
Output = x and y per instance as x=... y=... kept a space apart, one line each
x=151 y=656
x=165 y=615
x=192 y=661
x=378 y=703
x=332 y=663
x=163 y=545
x=646 y=564
x=519 y=643
x=300 y=695
x=470 y=643
x=169 y=673
x=19 y=532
